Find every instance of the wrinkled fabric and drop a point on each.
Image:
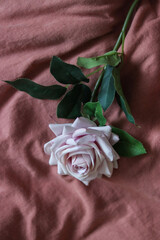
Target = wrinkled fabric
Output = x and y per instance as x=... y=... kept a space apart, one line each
x=36 y=203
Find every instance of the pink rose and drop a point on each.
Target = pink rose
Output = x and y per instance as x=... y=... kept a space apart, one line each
x=83 y=150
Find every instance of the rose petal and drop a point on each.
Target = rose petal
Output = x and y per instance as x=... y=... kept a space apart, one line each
x=47 y=147
x=105 y=130
x=75 y=153
x=85 y=182
x=60 y=149
x=83 y=131
x=80 y=164
x=82 y=122
x=94 y=132
x=106 y=147
x=74 y=149
x=115 y=164
x=68 y=130
x=71 y=141
x=87 y=159
x=82 y=170
x=79 y=132
x=58 y=128
x=85 y=139
x=79 y=160
x=92 y=156
x=55 y=143
x=114 y=138
x=58 y=141
x=83 y=178
x=58 y=153
x=92 y=175
x=52 y=160
x=95 y=147
x=61 y=169
x=95 y=158
x=106 y=168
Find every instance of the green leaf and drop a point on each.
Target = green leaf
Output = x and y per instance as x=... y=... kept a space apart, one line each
x=111 y=58
x=70 y=106
x=122 y=100
x=36 y=90
x=66 y=73
x=94 y=110
x=107 y=91
x=127 y=146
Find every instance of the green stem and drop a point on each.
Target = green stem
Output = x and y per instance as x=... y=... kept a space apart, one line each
x=97 y=70
x=123 y=39
x=118 y=43
x=98 y=83
x=120 y=40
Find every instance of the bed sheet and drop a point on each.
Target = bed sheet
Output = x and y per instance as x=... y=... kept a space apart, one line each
x=36 y=203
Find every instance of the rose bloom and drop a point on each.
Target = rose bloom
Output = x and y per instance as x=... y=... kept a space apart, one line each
x=83 y=150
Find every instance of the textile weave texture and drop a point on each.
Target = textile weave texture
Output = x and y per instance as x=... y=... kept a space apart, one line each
x=36 y=203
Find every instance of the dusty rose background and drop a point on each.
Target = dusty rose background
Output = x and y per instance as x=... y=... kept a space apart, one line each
x=35 y=202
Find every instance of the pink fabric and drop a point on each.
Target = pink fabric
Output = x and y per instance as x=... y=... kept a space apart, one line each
x=36 y=203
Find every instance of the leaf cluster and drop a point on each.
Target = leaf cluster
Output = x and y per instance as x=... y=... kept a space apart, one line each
x=78 y=100
x=110 y=84
x=64 y=73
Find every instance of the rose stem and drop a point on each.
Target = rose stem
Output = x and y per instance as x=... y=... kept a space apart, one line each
x=117 y=45
x=97 y=70
x=96 y=86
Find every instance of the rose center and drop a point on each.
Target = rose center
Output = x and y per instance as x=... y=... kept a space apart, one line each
x=78 y=164
x=79 y=169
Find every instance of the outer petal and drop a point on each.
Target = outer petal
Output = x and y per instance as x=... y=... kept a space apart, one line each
x=106 y=130
x=106 y=168
x=114 y=138
x=83 y=131
x=68 y=130
x=54 y=144
x=85 y=182
x=106 y=147
x=79 y=132
x=86 y=139
x=52 y=160
x=61 y=169
x=58 y=128
x=47 y=147
x=89 y=177
x=115 y=164
x=82 y=122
